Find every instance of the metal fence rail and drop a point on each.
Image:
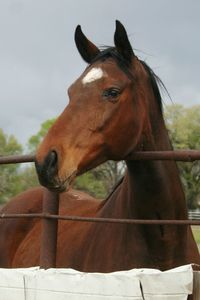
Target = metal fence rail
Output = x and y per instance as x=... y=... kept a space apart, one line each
x=15 y=159
x=49 y=216
x=178 y=155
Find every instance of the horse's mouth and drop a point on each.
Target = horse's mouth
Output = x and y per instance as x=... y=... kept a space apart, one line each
x=59 y=185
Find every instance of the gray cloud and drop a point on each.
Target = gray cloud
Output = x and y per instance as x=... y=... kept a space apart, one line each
x=38 y=58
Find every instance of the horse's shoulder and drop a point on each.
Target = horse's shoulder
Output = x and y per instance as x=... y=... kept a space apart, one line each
x=78 y=202
x=29 y=201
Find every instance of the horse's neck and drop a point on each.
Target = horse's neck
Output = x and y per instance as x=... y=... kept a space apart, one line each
x=150 y=189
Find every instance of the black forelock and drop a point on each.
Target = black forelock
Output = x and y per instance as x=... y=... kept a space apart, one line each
x=111 y=52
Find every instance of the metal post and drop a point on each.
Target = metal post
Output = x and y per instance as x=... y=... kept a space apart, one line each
x=49 y=231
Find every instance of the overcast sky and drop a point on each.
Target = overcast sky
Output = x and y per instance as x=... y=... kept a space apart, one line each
x=39 y=60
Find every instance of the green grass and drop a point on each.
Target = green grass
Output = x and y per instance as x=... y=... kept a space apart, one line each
x=196 y=233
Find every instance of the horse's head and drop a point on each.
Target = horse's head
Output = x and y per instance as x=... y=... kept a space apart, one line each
x=105 y=115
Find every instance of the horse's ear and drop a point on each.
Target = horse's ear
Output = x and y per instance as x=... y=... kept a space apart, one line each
x=122 y=43
x=87 y=49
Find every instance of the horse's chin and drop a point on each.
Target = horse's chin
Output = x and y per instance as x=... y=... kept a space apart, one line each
x=62 y=185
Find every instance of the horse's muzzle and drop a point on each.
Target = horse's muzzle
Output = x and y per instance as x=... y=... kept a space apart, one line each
x=47 y=170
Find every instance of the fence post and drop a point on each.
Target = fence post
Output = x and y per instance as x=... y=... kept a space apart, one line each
x=49 y=231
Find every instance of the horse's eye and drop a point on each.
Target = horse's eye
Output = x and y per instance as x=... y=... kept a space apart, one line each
x=111 y=94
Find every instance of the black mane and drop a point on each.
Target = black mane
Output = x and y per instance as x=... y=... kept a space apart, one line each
x=155 y=82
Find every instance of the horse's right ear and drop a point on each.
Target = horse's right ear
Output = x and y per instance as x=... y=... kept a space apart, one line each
x=122 y=42
x=87 y=49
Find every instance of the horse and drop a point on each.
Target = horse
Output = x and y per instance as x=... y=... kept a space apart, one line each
x=115 y=108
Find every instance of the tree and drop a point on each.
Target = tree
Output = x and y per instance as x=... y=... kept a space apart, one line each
x=36 y=139
x=28 y=178
x=88 y=183
x=109 y=173
x=9 y=174
x=184 y=130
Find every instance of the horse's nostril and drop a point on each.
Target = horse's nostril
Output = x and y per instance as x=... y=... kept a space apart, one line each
x=50 y=166
x=51 y=160
x=48 y=169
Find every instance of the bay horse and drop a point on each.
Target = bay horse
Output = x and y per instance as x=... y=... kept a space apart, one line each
x=115 y=108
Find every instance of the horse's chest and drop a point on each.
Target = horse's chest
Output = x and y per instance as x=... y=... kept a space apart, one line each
x=112 y=248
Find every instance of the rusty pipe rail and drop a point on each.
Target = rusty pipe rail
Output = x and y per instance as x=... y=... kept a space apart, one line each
x=49 y=216
x=178 y=155
x=15 y=159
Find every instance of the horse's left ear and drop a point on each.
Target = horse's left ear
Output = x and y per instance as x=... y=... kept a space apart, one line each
x=122 y=43
x=87 y=49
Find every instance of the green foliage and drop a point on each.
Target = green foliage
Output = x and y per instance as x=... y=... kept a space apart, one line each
x=196 y=234
x=36 y=139
x=28 y=178
x=100 y=181
x=9 y=144
x=9 y=174
x=109 y=174
x=184 y=129
x=88 y=183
